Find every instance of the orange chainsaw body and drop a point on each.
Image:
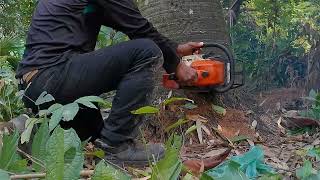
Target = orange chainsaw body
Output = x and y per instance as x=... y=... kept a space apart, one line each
x=210 y=73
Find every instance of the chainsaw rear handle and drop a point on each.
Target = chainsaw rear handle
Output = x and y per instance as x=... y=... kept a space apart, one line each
x=230 y=60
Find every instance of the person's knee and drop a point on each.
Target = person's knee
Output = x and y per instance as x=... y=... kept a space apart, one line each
x=148 y=48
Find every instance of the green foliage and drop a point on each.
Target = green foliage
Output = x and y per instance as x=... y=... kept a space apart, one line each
x=38 y=149
x=9 y=159
x=175 y=99
x=146 y=110
x=176 y=124
x=108 y=37
x=231 y=170
x=11 y=104
x=314 y=111
x=171 y=165
x=306 y=172
x=271 y=36
x=4 y=175
x=219 y=109
x=247 y=166
x=105 y=171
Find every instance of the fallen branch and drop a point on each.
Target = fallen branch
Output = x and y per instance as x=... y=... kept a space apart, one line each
x=83 y=173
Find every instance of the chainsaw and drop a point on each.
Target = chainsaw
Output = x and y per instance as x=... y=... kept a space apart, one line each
x=214 y=73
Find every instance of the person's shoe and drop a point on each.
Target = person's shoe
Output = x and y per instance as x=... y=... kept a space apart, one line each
x=132 y=153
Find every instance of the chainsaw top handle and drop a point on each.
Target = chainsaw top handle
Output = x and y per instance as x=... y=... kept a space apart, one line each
x=230 y=68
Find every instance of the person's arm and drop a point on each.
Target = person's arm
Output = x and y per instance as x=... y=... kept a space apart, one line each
x=124 y=16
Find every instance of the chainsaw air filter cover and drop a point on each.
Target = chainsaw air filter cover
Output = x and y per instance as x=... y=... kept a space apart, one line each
x=210 y=72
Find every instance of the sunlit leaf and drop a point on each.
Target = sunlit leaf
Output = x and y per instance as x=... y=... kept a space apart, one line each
x=8 y=151
x=176 y=124
x=175 y=99
x=25 y=136
x=146 y=110
x=70 y=111
x=191 y=129
x=219 y=110
x=44 y=98
x=105 y=171
x=39 y=142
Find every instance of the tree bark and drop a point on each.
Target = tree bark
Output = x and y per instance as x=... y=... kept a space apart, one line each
x=314 y=69
x=187 y=20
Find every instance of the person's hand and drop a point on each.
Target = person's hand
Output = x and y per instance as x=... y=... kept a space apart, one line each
x=189 y=48
x=185 y=74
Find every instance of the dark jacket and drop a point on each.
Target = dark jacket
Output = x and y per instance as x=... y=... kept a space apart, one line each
x=60 y=28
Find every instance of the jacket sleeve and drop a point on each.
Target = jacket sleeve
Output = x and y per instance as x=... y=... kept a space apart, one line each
x=124 y=16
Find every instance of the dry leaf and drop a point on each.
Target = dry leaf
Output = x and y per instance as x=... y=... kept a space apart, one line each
x=169 y=95
x=254 y=124
x=261 y=104
x=215 y=152
x=206 y=130
x=199 y=131
x=250 y=142
x=219 y=128
x=237 y=133
x=196 y=117
x=202 y=167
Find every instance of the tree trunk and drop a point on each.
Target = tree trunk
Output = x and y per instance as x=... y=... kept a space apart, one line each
x=314 y=69
x=187 y=20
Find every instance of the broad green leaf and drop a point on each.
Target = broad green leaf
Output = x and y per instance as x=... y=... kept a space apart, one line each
x=314 y=152
x=305 y=171
x=54 y=107
x=176 y=124
x=219 y=110
x=191 y=129
x=39 y=145
x=19 y=166
x=70 y=111
x=89 y=100
x=231 y=170
x=73 y=157
x=4 y=175
x=44 y=98
x=25 y=136
x=251 y=163
x=271 y=177
x=170 y=166
x=190 y=106
x=174 y=99
x=54 y=158
x=105 y=171
x=55 y=118
x=146 y=110
x=43 y=113
x=87 y=104
x=8 y=151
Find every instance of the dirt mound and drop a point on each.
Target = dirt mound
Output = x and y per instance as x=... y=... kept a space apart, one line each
x=235 y=123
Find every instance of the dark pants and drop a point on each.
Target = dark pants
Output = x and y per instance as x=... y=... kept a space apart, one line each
x=129 y=68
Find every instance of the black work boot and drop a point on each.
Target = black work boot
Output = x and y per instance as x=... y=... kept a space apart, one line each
x=132 y=153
